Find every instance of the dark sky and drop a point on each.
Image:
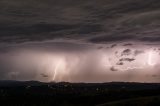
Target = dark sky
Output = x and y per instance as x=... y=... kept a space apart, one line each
x=74 y=37
x=90 y=20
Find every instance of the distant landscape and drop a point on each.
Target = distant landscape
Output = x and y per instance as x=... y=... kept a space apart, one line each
x=33 y=93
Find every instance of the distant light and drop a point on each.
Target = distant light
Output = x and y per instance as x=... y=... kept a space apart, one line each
x=152 y=58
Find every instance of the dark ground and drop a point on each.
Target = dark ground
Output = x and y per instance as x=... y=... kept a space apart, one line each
x=13 y=93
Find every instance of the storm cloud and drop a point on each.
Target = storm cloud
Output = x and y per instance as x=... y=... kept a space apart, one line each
x=92 y=21
x=85 y=40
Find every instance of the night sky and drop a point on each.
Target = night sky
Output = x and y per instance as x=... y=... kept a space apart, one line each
x=80 y=40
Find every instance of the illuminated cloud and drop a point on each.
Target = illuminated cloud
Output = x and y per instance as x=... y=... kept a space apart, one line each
x=74 y=62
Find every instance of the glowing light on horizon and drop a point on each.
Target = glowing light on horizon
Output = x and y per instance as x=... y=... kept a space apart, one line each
x=152 y=57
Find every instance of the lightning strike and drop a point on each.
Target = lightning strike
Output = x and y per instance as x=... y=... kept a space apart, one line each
x=56 y=69
x=151 y=56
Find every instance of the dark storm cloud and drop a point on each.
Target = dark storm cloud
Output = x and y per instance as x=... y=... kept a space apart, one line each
x=111 y=38
x=128 y=44
x=151 y=39
x=45 y=31
x=93 y=21
x=127 y=59
x=119 y=63
x=34 y=29
x=126 y=52
x=112 y=46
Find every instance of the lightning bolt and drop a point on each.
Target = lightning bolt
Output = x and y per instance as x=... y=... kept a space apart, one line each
x=56 y=69
x=150 y=56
